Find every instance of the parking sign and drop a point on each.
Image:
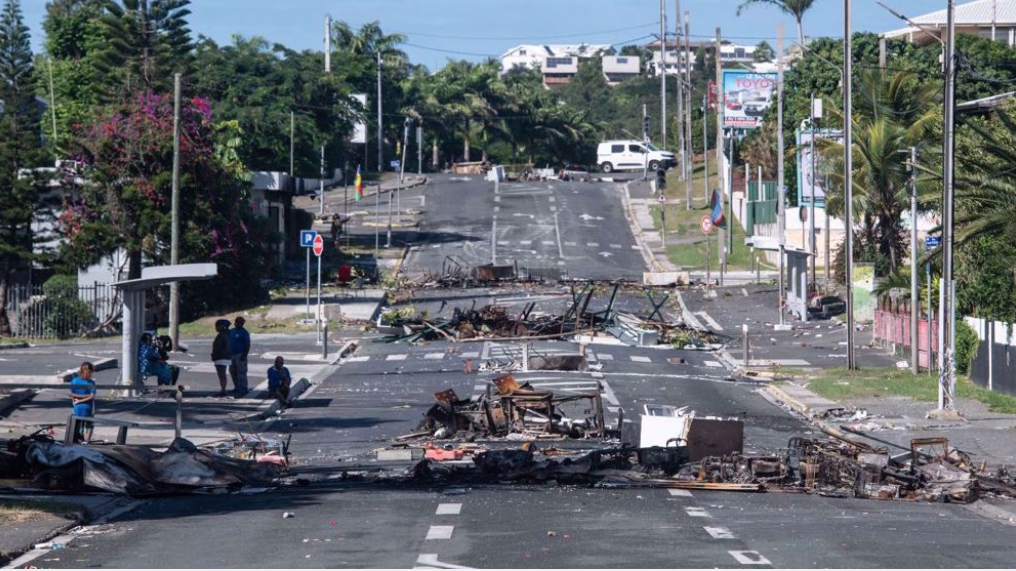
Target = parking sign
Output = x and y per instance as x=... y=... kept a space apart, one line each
x=307 y=238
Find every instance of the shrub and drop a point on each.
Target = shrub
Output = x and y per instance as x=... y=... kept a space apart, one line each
x=966 y=347
x=66 y=314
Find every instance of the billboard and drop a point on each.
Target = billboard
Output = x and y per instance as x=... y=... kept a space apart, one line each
x=360 y=128
x=746 y=96
x=804 y=175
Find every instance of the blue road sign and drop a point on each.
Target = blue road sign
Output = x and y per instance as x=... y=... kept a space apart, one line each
x=307 y=238
x=396 y=164
x=932 y=242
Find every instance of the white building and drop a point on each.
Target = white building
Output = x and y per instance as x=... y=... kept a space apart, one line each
x=557 y=63
x=676 y=59
x=994 y=19
x=619 y=68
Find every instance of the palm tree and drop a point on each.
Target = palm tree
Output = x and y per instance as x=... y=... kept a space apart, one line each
x=795 y=8
x=986 y=181
x=895 y=112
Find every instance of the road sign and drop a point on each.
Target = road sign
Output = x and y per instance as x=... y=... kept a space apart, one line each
x=319 y=245
x=396 y=164
x=307 y=238
x=932 y=242
x=706 y=224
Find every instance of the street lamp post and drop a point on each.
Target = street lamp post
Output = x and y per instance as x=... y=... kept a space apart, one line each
x=848 y=182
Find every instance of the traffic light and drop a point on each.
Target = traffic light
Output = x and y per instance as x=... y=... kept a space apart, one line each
x=645 y=126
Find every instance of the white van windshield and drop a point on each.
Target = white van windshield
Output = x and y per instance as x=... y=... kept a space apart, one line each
x=653 y=147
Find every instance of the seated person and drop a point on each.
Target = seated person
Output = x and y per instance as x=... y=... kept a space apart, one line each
x=151 y=363
x=83 y=401
x=279 y=380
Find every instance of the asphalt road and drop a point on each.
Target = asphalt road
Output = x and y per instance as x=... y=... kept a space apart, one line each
x=383 y=391
x=575 y=227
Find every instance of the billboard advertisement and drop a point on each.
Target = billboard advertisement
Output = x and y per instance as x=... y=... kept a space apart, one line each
x=746 y=96
x=804 y=174
x=360 y=128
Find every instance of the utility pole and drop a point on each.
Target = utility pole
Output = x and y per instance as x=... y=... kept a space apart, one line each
x=663 y=74
x=328 y=43
x=321 y=202
x=781 y=190
x=705 y=145
x=645 y=142
x=52 y=105
x=686 y=149
x=174 y=247
x=947 y=328
x=848 y=179
x=380 y=157
x=816 y=112
x=721 y=242
x=292 y=151
x=679 y=89
x=915 y=304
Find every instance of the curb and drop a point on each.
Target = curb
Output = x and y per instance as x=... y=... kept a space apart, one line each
x=647 y=255
x=98 y=365
x=100 y=515
x=11 y=400
x=780 y=395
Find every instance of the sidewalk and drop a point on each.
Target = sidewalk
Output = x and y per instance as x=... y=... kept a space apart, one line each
x=637 y=200
x=985 y=435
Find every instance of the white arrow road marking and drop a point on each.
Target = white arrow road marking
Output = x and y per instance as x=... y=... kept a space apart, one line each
x=719 y=532
x=749 y=558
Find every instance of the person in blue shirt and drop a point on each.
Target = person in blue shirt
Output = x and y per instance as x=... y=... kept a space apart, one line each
x=239 y=346
x=83 y=400
x=279 y=381
x=150 y=362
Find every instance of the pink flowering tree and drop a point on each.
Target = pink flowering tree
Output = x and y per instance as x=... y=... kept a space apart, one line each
x=127 y=156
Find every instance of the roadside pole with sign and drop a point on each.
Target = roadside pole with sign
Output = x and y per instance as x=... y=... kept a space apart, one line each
x=707 y=228
x=307 y=238
x=930 y=243
x=319 y=248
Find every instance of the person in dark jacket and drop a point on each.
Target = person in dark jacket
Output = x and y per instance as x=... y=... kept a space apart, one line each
x=221 y=355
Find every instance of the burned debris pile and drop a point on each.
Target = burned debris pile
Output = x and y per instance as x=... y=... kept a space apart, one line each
x=676 y=449
x=514 y=411
x=527 y=323
x=42 y=463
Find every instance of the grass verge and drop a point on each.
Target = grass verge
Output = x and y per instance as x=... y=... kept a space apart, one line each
x=21 y=511
x=841 y=384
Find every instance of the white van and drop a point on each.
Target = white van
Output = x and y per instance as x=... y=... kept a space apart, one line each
x=632 y=155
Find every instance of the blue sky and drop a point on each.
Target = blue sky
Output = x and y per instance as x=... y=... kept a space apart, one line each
x=491 y=26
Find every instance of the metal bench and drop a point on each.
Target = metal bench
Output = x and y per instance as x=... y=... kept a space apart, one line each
x=121 y=435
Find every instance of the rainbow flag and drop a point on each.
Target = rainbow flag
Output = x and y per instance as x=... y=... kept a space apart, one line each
x=359 y=185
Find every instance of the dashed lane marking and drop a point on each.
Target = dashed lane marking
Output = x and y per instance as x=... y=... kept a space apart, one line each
x=357 y=359
x=396 y=357
x=471 y=355
x=503 y=242
x=697 y=512
x=714 y=364
x=719 y=532
x=440 y=532
x=616 y=246
x=430 y=561
x=680 y=493
x=571 y=244
x=640 y=359
x=744 y=291
x=448 y=509
x=434 y=356
x=712 y=322
x=525 y=242
x=593 y=244
x=605 y=356
x=749 y=558
x=548 y=242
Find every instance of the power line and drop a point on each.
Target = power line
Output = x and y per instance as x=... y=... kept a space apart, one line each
x=520 y=38
x=456 y=52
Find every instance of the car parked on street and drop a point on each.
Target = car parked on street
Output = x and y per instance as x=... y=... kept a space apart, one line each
x=632 y=155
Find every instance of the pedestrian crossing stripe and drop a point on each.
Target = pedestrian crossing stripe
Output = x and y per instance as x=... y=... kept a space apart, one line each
x=640 y=359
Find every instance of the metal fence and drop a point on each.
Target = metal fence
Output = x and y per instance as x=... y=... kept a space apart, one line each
x=36 y=312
